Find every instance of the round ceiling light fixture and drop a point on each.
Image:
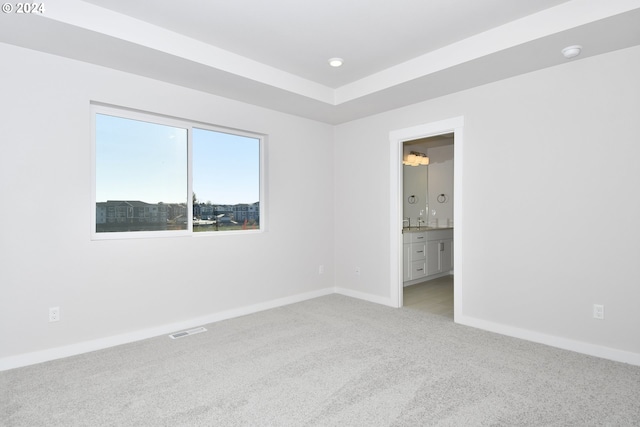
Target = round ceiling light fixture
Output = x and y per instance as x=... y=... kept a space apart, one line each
x=572 y=51
x=336 y=62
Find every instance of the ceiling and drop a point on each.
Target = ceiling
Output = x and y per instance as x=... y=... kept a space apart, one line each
x=300 y=36
x=274 y=53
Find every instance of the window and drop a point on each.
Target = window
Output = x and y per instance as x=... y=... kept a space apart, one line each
x=156 y=176
x=226 y=178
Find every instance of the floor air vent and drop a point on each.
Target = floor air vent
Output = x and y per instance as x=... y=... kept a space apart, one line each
x=187 y=333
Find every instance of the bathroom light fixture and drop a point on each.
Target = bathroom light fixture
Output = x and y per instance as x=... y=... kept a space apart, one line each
x=572 y=51
x=416 y=159
x=336 y=62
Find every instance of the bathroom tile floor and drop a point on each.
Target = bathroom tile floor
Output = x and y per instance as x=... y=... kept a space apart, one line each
x=434 y=296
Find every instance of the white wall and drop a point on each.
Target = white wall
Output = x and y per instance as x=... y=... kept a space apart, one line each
x=110 y=288
x=550 y=201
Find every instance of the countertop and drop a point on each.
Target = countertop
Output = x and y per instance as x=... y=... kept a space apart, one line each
x=421 y=229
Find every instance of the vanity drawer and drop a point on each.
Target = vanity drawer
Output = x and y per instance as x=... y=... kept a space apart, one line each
x=420 y=236
x=418 y=251
x=418 y=269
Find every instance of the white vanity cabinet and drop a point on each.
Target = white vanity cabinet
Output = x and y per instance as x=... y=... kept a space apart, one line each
x=427 y=254
x=439 y=251
x=415 y=255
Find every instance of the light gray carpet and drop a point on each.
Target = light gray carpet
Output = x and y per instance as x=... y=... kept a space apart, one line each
x=331 y=361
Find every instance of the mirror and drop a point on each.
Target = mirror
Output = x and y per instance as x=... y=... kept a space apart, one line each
x=415 y=195
x=428 y=189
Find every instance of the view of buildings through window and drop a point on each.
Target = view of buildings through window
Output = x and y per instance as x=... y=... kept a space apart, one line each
x=142 y=177
x=226 y=181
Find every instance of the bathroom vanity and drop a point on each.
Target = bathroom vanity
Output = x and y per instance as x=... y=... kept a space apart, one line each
x=428 y=254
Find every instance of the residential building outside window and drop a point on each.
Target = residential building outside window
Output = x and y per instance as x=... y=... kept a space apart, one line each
x=156 y=176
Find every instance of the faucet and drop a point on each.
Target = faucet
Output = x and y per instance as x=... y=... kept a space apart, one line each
x=408 y=221
x=420 y=221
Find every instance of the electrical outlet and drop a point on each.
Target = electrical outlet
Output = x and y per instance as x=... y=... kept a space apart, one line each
x=357 y=271
x=598 y=311
x=321 y=269
x=54 y=314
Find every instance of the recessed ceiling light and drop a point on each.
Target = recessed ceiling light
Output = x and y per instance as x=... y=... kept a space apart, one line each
x=336 y=62
x=571 y=51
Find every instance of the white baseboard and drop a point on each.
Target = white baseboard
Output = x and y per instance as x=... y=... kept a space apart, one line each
x=365 y=296
x=553 y=341
x=35 y=357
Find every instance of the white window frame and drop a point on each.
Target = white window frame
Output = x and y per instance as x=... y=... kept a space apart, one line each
x=125 y=113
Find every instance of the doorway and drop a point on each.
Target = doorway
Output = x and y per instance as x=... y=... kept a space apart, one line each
x=428 y=204
x=397 y=139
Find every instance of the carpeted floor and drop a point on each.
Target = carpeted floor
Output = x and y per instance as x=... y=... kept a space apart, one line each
x=331 y=361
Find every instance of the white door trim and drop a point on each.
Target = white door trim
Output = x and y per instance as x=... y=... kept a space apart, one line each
x=396 y=139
